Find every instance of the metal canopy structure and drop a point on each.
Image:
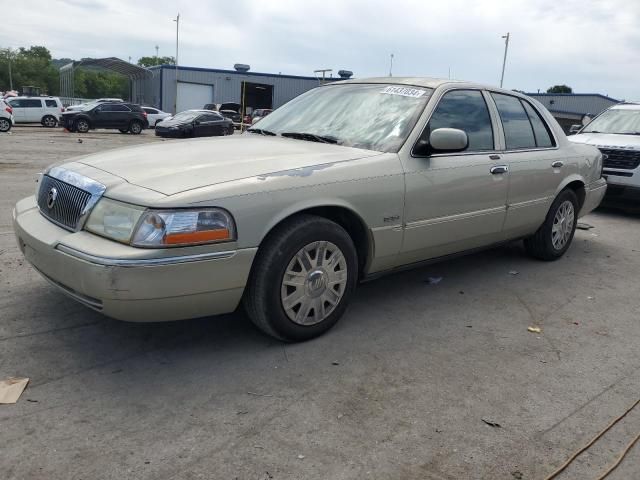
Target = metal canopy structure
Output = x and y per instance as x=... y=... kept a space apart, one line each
x=129 y=70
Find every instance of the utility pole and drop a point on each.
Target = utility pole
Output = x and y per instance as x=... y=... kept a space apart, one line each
x=391 y=66
x=9 y=61
x=504 y=61
x=177 y=20
x=157 y=48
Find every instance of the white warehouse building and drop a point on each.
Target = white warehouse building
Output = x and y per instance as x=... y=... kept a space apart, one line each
x=197 y=87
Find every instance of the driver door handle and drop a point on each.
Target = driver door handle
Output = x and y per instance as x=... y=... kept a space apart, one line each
x=557 y=164
x=499 y=169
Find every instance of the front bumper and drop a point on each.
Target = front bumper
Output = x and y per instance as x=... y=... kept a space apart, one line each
x=594 y=193
x=133 y=284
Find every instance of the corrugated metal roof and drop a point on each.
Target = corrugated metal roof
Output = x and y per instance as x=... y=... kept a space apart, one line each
x=575 y=103
x=112 y=63
x=235 y=72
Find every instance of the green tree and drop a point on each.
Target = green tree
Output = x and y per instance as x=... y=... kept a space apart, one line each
x=29 y=67
x=560 y=89
x=151 y=61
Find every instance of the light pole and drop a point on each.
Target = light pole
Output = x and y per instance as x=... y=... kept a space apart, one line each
x=391 y=66
x=504 y=61
x=177 y=20
x=157 y=47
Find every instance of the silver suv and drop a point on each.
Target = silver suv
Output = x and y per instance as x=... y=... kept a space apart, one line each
x=616 y=132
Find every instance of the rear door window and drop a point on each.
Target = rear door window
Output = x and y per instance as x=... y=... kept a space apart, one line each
x=115 y=107
x=518 y=131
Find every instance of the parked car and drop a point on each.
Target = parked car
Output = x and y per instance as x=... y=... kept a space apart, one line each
x=75 y=108
x=6 y=116
x=235 y=117
x=155 y=115
x=346 y=182
x=210 y=106
x=126 y=117
x=616 y=132
x=43 y=110
x=259 y=113
x=195 y=123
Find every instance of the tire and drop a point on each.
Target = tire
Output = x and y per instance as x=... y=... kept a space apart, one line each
x=49 y=121
x=135 y=127
x=554 y=237
x=317 y=294
x=5 y=124
x=232 y=130
x=123 y=130
x=81 y=126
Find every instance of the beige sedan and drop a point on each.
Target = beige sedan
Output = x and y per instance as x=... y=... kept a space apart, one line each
x=346 y=182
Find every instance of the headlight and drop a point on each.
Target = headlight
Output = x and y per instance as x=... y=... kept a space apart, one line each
x=113 y=219
x=142 y=227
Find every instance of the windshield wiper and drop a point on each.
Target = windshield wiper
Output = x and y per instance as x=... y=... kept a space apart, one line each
x=261 y=131
x=310 y=136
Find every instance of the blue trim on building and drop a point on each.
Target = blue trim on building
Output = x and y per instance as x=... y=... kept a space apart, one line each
x=233 y=72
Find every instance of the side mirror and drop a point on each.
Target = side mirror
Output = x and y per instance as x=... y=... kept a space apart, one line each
x=575 y=128
x=449 y=140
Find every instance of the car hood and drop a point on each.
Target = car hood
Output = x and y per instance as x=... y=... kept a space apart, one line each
x=178 y=166
x=608 y=140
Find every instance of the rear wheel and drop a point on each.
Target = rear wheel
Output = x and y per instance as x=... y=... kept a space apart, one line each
x=554 y=237
x=302 y=279
x=82 y=126
x=135 y=127
x=49 y=121
x=5 y=125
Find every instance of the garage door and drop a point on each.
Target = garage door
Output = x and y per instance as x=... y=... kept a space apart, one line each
x=192 y=95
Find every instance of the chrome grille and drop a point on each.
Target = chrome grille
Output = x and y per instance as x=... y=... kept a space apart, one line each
x=69 y=204
x=623 y=159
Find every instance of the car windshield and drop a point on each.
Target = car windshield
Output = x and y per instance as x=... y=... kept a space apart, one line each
x=369 y=116
x=186 y=115
x=616 y=120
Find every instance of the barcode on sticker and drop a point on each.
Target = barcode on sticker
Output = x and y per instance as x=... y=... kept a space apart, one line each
x=404 y=91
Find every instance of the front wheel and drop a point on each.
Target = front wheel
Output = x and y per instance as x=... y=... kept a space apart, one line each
x=302 y=279
x=5 y=125
x=82 y=126
x=554 y=237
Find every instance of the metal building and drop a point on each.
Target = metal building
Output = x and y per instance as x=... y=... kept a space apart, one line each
x=197 y=87
x=574 y=108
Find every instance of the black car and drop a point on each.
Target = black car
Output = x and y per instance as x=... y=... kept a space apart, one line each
x=195 y=123
x=126 y=117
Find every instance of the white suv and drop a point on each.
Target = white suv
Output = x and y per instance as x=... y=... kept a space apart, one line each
x=44 y=110
x=616 y=132
x=6 y=117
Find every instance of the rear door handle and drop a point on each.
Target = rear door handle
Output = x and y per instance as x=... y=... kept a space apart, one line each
x=499 y=169
x=494 y=157
x=557 y=164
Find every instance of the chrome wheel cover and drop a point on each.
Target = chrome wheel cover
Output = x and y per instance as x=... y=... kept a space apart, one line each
x=49 y=122
x=82 y=126
x=313 y=283
x=135 y=128
x=562 y=225
x=4 y=125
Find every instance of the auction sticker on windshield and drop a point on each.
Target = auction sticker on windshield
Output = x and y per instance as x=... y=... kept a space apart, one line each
x=404 y=91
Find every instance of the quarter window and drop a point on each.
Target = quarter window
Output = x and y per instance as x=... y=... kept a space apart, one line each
x=51 y=103
x=150 y=111
x=518 y=132
x=465 y=110
x=540 y=129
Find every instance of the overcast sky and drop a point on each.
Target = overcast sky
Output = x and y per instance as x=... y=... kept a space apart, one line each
x=591 y=45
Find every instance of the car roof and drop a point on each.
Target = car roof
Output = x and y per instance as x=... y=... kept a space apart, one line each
x=32 y=97
x=626 y=106
x=425 y=82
